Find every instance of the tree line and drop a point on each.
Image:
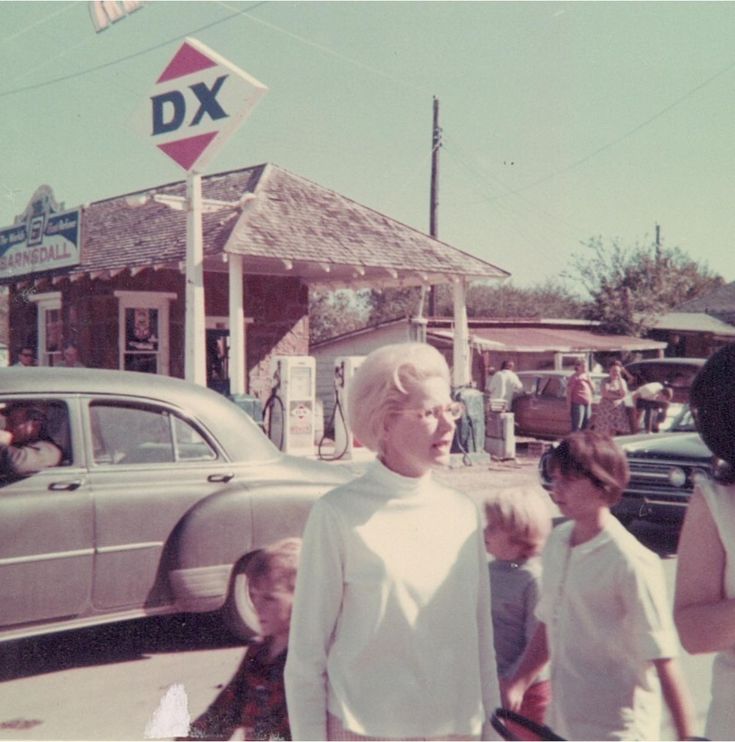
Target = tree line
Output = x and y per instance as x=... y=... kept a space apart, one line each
x=625 y=288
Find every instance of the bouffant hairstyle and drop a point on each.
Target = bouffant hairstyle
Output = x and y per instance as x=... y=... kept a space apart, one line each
x=712 y=401
x=524 y=514
x=382 y=383
x=277 y=563
x=596 y=457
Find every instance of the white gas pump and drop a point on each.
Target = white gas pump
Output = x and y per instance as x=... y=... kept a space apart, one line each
x=344 y=370
x=289 y=412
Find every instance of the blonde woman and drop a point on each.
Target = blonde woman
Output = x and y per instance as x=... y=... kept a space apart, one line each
x=392 y=631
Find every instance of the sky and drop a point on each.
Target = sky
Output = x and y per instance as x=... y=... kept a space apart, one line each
x=561 y=122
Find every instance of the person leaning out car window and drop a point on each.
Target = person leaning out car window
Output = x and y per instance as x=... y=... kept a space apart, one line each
x=25 y=447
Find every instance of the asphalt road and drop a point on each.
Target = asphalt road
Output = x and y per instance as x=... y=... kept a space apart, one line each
x=107 y=683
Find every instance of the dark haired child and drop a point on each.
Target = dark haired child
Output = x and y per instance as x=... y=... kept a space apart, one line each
x=255 y=700
x=606 y=625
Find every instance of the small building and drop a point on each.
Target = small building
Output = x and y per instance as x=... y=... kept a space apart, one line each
x=719 y=303
x=691 y=334
x=110 y=275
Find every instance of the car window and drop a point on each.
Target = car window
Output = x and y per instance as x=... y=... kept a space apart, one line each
x=554 y=387
x=53 y=417
x=144 y=434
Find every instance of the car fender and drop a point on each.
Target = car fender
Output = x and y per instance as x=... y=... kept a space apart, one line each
x=226 y=528
x=208 y=540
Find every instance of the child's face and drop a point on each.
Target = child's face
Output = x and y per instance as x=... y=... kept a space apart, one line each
x=273 y=605
x=577 y=497
x=499 y=543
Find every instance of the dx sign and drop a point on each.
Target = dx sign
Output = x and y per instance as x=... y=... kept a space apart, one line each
x=169 y=109
x=198 y=101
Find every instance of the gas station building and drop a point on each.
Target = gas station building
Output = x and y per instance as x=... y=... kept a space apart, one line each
x=110 y=275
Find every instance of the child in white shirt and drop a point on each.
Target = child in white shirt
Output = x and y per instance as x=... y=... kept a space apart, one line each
x=606 y=624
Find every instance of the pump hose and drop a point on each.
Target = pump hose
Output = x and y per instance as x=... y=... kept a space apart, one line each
x=330 y=426
x=272 y=399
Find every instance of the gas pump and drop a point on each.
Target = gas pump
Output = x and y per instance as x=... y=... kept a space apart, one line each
x=344 y=370
x=288 y=414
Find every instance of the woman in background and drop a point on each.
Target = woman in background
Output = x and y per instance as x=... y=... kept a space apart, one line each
x=611 y=417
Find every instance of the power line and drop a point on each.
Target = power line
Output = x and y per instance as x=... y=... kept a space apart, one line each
x=330 y=52
x=38 y=22
x=120 y=60
x=625 y=135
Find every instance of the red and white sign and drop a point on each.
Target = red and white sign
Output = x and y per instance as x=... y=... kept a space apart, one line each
x=199 y=100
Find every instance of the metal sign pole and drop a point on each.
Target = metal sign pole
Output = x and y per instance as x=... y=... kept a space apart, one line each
x=195 y=369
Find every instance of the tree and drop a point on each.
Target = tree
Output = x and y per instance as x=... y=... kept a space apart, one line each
x=631 y=286
x=332 y=313
x=393 y=303
x=506 y=301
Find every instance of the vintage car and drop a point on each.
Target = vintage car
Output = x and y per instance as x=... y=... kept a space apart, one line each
x=541 y=411
x=676 y=372
x=662 y=471
x=163 y=491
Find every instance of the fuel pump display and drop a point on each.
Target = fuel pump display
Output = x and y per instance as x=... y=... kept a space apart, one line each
x=289 y=412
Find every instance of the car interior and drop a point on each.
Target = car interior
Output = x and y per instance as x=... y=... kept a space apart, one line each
x=57 y=423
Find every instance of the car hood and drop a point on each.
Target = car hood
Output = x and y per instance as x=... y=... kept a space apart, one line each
x=665 y=445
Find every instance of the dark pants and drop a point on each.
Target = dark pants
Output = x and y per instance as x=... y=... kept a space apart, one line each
x=654 y=413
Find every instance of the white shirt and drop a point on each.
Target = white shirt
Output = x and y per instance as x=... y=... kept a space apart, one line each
x=391 y=629
x=606 y=614
x=649 y=391
x=720 y=500
x=505 y=385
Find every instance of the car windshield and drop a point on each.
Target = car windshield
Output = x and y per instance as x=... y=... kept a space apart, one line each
x=684 y=421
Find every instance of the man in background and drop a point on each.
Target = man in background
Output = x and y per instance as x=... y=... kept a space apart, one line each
x=505 y=384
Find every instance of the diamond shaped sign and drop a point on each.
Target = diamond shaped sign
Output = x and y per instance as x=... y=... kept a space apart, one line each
x=198 y=101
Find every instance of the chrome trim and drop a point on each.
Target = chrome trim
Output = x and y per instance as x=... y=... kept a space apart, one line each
x=129 y=547
x=46 y=557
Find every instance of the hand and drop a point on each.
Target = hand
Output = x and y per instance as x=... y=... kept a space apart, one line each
x=6 y=438
x=511 y=694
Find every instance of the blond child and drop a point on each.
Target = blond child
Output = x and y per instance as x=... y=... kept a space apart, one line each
x=518 y=524
x=606 y=624
x=255 y=699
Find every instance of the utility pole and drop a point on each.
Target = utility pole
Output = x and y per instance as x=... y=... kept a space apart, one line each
x=658 y=242
x=436 y=143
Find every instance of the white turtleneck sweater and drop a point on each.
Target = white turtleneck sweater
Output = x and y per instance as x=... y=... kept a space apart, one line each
x=391 y=629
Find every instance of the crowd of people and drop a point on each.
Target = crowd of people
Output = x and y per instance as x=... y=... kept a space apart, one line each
x=396 y=626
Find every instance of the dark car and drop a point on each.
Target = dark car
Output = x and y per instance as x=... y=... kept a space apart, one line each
x=676 y=372
x=662 y=471
x=163 y=491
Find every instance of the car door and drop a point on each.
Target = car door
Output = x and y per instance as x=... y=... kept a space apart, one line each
x=150 y=464
x=47 y=531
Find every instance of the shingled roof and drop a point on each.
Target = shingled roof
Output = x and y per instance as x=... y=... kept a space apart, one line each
x=719 y=303
x=288 y=226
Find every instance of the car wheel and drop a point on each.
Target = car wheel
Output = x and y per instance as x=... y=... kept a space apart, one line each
x=238 y=612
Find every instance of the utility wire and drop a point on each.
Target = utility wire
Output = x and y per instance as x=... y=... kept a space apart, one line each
x=626 y=135
x=38 y=22
x=329 y=51
x=113 y=62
